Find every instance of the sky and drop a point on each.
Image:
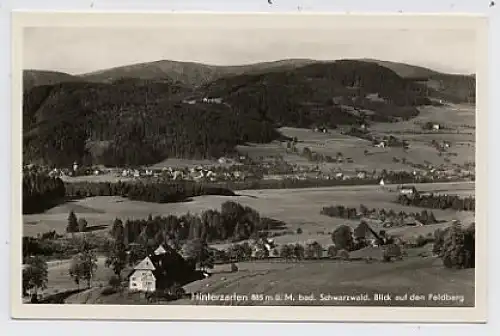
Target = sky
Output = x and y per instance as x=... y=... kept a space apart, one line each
x=77 y=50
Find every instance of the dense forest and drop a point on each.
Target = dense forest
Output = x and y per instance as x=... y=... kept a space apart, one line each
x=306 y=95
x=233 y=222
x=439 y=202
x=130 y=123
x=137 y=121
x=41 y=192
x=161 y=192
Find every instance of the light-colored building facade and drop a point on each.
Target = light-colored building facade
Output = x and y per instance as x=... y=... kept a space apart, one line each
x=142 y=279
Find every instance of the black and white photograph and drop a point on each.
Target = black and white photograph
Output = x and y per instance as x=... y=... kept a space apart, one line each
x=286 y=161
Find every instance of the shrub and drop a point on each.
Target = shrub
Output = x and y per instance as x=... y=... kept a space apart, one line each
x=332 y=251
x=298 y=251
x=344 y=254
x=299 y=231
x=421 y=241
x=286 y=251
x=314 y=250
x=114 y=281
x=108 y=291
x=82 y=224
x=392 y=251
x=458 y=250
x=342 y=237
x=176 y=291
x=439 y=236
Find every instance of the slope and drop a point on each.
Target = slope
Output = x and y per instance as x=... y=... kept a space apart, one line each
x=32 y=78
x=449 y=87
x=188 y=73
x=144 y=121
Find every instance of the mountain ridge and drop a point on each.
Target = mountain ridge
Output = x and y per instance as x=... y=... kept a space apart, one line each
x=452 y=87
x=136 y=120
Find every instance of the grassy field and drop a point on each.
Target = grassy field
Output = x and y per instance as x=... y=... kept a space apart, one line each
x=460 y=119
x=296 y=207
x=419 y=276
x=60 y=281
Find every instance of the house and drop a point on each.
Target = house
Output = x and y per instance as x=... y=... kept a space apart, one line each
x=381 y=183
x=178 y=175
x=212 y=100
x=54 y=172
x=407 y=190
x=142 y=278
x=436 y=127
x=321 y=129
x=375 y=97
x=412 y=222
x=381 y=144
x=160 y=270
x=75 y=166
x=262 y=248
x=160 y=250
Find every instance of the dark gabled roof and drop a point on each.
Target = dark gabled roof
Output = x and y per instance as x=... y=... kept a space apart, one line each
x=162 y=262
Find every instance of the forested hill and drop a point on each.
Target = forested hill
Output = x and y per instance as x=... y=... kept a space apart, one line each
x=134 y=123
x=322 y=93
x=450 y=87
x=32 y=78
x=188 y=73
x=142 y=121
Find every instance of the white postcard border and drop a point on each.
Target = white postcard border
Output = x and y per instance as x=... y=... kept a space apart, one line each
x=239 y=313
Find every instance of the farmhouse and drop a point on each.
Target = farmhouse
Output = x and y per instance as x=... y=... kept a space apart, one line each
x=361 y=175
x=142 y=278
x=407 y=190
x=160 y=270
x=436 y=127
x=212 y=100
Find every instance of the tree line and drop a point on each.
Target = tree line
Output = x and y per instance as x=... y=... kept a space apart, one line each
x=41 y=192
x=352 y=213
x=234 y=222
x=439 y=202
x=159 y=192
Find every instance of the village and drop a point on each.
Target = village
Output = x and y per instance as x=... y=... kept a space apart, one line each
x=230 y=170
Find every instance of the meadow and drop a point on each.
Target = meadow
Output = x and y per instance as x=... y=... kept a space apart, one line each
x=459 y=121
x=417 y=275
x=296 y=207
